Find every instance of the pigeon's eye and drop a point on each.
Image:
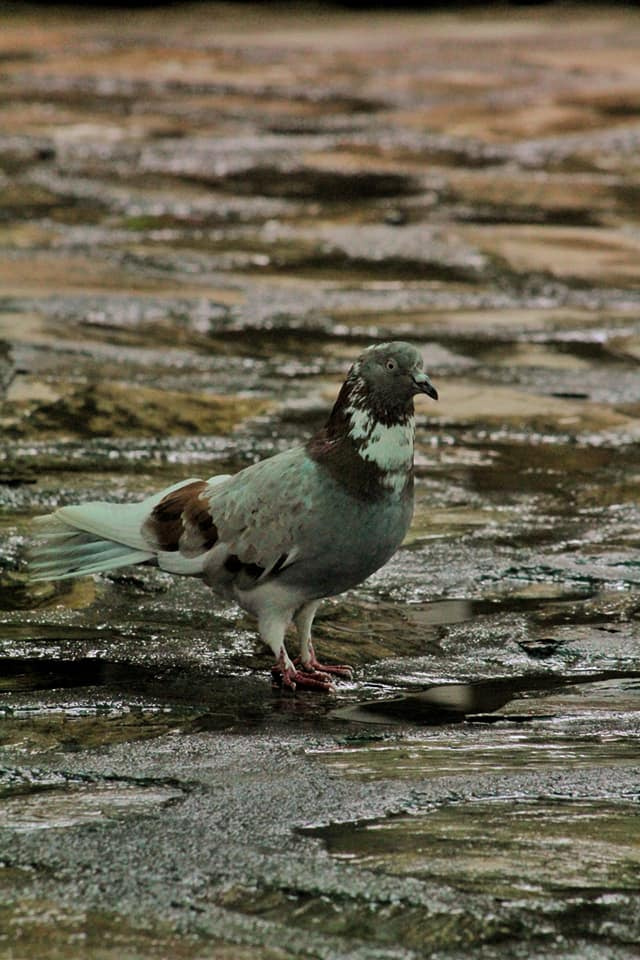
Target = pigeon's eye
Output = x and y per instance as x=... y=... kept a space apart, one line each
x=391 y=364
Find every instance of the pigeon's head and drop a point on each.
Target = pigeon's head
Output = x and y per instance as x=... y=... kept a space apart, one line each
x=388 y=376
x=367 y=441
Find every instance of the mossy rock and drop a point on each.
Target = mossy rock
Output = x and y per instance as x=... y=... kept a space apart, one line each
x=122 y=409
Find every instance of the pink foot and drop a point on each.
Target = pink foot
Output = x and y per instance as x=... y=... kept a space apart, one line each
x=314 y=666
x=291 y=678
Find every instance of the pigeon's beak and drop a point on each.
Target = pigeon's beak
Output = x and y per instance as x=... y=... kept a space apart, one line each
x=424 y=385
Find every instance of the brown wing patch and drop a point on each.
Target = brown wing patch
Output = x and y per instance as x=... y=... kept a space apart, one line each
x=181 y=521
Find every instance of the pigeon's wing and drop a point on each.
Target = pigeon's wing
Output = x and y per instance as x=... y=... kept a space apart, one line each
x=244 y=527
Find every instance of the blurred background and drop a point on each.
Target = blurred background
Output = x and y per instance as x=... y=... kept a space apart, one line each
x=206 y=211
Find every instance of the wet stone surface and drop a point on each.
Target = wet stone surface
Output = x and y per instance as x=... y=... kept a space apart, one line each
x=205 y=213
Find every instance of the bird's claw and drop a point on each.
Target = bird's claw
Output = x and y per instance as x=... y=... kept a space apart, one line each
x=337 y=669
x=293 y=679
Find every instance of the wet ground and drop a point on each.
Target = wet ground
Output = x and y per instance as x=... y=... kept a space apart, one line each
x=205 y=213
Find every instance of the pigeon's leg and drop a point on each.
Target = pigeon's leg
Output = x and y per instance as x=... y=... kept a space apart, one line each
x=284 y=672
x=303 y=618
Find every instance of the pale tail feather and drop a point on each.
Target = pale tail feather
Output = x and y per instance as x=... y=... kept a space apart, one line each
x=93 y=537
x=64 y=552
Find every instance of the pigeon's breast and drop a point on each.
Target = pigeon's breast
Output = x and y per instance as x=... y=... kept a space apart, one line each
x=346 y=539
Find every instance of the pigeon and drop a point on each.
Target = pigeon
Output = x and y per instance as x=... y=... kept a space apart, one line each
x=282 y=534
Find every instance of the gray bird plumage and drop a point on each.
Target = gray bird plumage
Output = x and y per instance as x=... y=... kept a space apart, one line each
x=282 y=534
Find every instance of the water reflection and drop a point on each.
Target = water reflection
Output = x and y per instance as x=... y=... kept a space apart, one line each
x=454 y=702
x=561 y=848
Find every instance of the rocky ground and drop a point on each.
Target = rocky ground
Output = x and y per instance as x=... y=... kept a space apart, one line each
x=205 y=212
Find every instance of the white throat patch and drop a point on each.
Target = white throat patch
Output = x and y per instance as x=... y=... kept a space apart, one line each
x=390 y=448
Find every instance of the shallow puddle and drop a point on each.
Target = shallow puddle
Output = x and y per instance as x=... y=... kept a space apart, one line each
x=38 y=927
x=464 y=753
x=516 y=699
x=511 y=847
x=75 y=725
x=81 y=804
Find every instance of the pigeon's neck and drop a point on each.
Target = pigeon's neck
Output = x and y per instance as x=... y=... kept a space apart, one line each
x=368 y=449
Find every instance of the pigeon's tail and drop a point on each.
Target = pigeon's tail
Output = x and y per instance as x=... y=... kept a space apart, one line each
x=63 y=551
x=92 y=537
